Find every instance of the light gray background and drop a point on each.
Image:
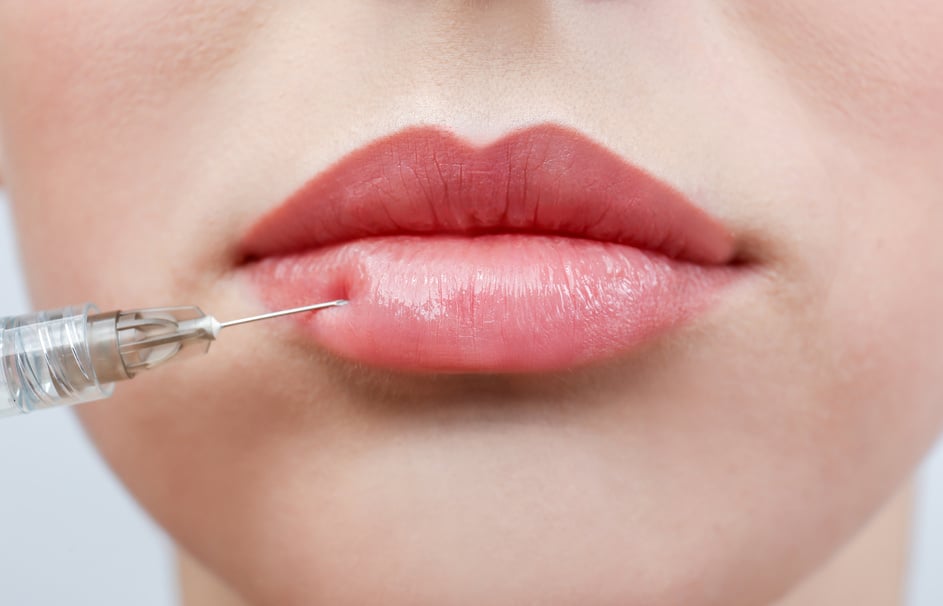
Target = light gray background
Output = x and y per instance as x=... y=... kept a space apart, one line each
x=70 y=535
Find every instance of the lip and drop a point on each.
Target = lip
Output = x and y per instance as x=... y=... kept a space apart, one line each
x=540 y=251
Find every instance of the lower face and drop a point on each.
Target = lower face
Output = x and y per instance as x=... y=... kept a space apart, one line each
x=682 y=466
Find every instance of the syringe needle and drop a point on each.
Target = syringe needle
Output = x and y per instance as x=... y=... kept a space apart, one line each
x=286 y=312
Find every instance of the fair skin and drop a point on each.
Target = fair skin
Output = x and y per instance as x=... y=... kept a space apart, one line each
x=757 y=455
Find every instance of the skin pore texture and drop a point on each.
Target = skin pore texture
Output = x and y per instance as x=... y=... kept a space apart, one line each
x=758 y=454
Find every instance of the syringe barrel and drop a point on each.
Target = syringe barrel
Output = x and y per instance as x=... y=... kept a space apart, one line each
x=45 y=361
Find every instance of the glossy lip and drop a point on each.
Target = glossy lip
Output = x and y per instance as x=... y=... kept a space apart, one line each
x=541 y=251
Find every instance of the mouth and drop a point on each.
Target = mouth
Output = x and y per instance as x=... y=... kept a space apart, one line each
x=539 y=252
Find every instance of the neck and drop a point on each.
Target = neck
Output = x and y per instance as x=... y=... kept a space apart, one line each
x=871 y=570
x=200 y=587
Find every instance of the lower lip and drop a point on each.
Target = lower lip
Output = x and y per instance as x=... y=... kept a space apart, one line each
x=493 y=303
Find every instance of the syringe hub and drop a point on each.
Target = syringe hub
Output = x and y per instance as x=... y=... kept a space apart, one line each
x=124 y=343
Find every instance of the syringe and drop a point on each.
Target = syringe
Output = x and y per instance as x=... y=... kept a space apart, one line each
x=76 y=354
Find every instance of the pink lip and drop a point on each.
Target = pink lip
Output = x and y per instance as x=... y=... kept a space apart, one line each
x=541 y=251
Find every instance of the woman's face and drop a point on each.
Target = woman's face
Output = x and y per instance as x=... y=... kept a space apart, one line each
x=715 y=461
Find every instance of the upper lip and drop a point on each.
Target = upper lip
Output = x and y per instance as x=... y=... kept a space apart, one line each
x=545 y=180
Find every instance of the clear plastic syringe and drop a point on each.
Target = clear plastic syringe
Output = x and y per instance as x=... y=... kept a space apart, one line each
x=74 y=355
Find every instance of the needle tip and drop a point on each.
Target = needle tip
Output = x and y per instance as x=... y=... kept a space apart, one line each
x=284 y=312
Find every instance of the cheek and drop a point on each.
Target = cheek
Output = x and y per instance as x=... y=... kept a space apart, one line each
x=880 y=341
x=99 y=95
x=867 y=67
x=865 y=77
x=80 y=63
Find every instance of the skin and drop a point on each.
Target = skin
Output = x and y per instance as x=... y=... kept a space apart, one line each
x=724 y=464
